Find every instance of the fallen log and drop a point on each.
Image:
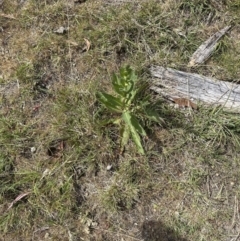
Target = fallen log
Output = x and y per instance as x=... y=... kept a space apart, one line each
x=174 y=84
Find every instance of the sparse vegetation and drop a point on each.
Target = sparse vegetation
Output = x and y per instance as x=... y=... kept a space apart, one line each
x=61 y=174
x=130 y=104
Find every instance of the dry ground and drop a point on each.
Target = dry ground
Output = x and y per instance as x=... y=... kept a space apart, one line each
x=53 y=150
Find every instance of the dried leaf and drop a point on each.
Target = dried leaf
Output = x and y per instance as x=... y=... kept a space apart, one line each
x=88 y=45
x=56 y=148
x=19 y=197
x=73 y=43
x=205 y=50
x=10 y=16
x=184 y=102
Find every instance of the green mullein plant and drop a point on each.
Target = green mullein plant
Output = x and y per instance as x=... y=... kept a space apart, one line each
x=130 y=106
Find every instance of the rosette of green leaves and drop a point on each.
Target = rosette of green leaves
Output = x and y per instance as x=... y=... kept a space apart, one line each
x=126 y=103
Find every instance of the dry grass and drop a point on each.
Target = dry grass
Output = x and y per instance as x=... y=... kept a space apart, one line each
x=53 y=149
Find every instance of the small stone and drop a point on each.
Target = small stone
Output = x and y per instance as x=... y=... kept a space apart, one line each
x=33 y=149
x=61 y=30
x=94 y=224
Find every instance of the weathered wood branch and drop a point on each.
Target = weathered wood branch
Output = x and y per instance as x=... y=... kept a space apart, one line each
x=172 y=84
x=206 y=49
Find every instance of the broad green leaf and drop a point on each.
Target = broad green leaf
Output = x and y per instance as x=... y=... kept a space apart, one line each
x=106 y=122
x=123 y=90
x=153 y=115
x=135 y=136
x=125 y=134
x=111 y=102
x=124 y=72
x=118 y=87
x=128 y=74
x=136 y=139
x=129 y=87
x=131 y=97
x=137 y=125
x=116 y=80
x=124 y=83
x=133 y=77
x=126 y=115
